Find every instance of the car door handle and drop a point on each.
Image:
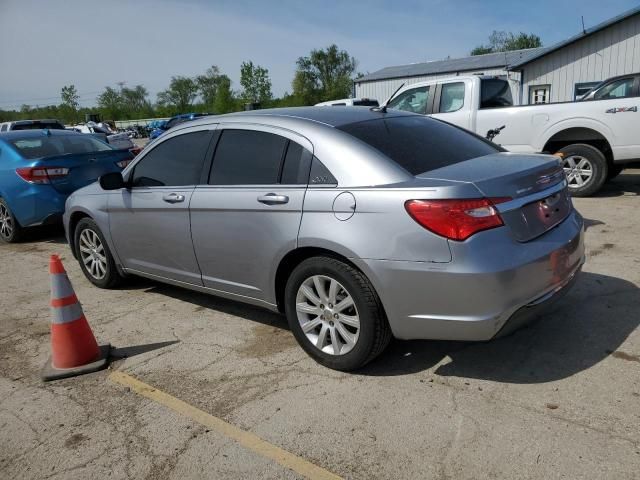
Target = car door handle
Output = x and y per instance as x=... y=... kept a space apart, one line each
x=273 y=199
x=173 y=198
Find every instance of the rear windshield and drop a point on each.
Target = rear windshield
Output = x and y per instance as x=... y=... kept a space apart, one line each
x=419 y=144
x=38 y=125
x=58 y=145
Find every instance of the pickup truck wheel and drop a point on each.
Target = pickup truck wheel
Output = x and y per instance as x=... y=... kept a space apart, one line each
x=585 y=167
x=614 y=171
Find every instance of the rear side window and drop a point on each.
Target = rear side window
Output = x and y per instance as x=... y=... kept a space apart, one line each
x=247 y=157
x=297 y=161
x=420 y=144
x=451 y=97
x=365 y=103
x=495 y=93
x=174 y=162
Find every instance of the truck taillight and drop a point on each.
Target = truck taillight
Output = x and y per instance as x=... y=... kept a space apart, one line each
x=456 y=219
x=41 y=175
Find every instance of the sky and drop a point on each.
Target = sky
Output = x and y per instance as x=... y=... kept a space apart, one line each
x=45 y=45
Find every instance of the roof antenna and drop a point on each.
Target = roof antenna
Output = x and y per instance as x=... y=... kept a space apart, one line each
x=383 y=108
x=584 y=30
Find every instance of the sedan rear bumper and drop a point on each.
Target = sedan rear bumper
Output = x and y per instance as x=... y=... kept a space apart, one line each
x=493 y=285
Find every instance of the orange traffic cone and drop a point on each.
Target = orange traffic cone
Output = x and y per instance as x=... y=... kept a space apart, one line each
x=74 y=350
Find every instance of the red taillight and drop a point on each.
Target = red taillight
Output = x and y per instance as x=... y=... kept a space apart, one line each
x=41 y=175
x=456 y=219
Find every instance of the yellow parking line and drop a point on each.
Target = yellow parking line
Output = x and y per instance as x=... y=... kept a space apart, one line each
x=244 y=438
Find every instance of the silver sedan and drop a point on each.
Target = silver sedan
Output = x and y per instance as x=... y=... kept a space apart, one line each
x=358 y=224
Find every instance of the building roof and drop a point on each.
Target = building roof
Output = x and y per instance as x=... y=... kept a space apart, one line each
x=575 y=38
x=452 y=65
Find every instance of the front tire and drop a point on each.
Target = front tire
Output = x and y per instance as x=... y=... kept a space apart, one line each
x=585 y=167
x=94 y=256
x=335 y=314
x=10 y=229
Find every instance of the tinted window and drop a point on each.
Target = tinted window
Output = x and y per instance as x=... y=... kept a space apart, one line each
x=174 y=162
x=246 y=157
x=495 y=93
x=365 y=103
x=3 y=128
x=618 y=89
x=414 y=100
x=297 y=161
x=451 y=97
x=47 y=146
x=420 y=144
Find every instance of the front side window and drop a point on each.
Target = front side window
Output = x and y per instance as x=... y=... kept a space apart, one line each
x=177 y=161
x=619 y=89
x=451 y=97
x=420 y=144
x=414 y=100
x=247 y=157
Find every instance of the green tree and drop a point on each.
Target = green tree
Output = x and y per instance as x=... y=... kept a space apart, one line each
x=224 y=100
x=135 y=102
x=208 y=85
x=180 y=95
x=501 y=41
x=324 y=75
x=110 y=104
x=70 y=97
x=255 y=82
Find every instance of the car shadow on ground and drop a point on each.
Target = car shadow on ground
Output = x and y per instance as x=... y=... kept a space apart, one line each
x=585 y=327
x=210 y=302
x=623 y=184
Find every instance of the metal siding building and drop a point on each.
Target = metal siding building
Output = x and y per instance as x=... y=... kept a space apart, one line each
x=552 y=74
x=604 y=51
x=381 y=84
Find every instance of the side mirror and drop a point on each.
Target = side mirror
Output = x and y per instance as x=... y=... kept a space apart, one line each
x=112 y=181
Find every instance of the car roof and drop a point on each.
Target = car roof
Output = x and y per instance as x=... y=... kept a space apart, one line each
x=35 y=133
x=332 y=117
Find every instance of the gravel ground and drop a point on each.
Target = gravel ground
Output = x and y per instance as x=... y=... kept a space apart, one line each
x=560 y=399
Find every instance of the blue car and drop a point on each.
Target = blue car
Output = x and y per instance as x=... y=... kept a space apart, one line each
x=39 y=169
x=172 y=122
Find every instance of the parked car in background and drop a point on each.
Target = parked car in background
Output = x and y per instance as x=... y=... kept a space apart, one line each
x=278 y=208
x=624 y=86
x=104 y=132
x=349 y=102
x=40 y=168
x=594 y=138
x=172 y=122
x=50 y=123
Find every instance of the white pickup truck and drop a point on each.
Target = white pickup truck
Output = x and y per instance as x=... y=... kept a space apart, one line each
x=595 y=137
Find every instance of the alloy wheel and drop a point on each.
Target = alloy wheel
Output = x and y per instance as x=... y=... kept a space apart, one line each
x=578 y=170
x=327 y=315
x=93 y=254
x=6 y=222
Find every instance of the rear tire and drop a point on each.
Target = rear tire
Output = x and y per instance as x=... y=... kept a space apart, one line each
x=585 y=167
x=94 y=256
x=10 y=229
x=339 y=337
